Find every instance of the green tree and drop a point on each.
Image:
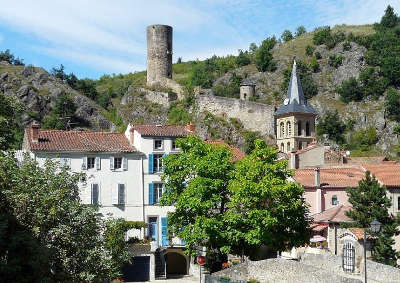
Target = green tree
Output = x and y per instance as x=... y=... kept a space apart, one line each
x=10 y=130
x=250 y=137
x=196 y=183
x=392 y=104
x=63 y=111
x=263 y=58
x=300 y=30
x=10 y=58
x=309 y=50
x=331 y=125
x=286 y=35
x=350 y=90
x=253 y=47
x=264 y=208
x=45 y=201
x=322 y=35
x=370 y=201
x=389 y=19
x=243 y=59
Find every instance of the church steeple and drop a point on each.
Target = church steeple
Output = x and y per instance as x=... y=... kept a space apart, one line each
x=295 y=118
x=295 y=102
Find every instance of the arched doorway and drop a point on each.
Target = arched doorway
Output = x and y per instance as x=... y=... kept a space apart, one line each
x=176 y=264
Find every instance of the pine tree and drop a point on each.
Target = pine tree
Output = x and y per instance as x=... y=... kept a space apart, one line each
x=370 y=201
x=390 y=18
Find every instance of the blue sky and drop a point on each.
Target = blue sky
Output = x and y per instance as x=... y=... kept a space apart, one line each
x=95 y=37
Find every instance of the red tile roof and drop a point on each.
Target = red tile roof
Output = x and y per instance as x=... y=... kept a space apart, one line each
x=79 y=141
x=237 y=154
x=334 y=214
x=161 y=130
x=331 y=177
x=358 y=232
x=387 y=173
x=366 y=160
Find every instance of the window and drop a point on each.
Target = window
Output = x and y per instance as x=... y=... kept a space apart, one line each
x=157 y=192
x=153 y=228
x=121 y=193
x=398 y=203
x=95 y=194
x=299 y=129
x=307 y=129
x=90 y=162
x=157 y=163
x=158 y=144
x=300 y=145
x=335 y=200
x=282 y=131
x=288 y=129
x=288 y=147
x=174 y=147
x=65 y=162
x=117 y=162
x=282 y=147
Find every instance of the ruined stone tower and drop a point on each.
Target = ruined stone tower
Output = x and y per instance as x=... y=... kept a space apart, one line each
x=159 y=53
x=247 y=89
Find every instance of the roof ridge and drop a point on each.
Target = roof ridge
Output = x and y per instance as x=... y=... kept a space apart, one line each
x=78 y=131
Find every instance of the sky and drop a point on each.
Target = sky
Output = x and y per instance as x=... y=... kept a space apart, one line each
x=95 y=37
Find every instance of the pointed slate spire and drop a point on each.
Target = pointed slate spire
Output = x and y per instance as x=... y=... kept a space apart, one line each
x=295 y=101
x=295 y=90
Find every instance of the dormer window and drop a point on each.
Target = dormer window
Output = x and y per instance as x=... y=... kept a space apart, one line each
x=158 y=144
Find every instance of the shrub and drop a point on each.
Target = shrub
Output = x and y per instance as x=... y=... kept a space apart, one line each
x=318 y=55
x=390 y=19
x=10 y=58
x=322 y=35
x=335 y=61
x=346 y=46
x=300 y=30
x=363 y=139
x=350 y=91
x=314 y=65
x=372 y=84
x=243 y=58
x=392 y=104
x=309 y=50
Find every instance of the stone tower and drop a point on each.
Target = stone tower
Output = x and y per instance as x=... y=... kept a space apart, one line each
x=247 y=89
x=295 y=119
x=159 y=53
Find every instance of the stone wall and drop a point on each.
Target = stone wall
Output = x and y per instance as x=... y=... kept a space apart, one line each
x=254 y=116
x=281 y=270
x=382 y=273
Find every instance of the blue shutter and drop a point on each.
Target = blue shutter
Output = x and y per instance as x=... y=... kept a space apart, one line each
x=151 y=193
x=151 y=160
x=183 y=242
x=164 y=231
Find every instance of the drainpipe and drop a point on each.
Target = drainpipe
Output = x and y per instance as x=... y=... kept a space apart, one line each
x=317 y=185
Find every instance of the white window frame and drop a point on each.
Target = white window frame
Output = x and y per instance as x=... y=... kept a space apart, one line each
x=87 y=162
x=98 y=193
x=157 y=166
x=173 y=145
x=115 y=162
x=158 y=148
x=157 y=187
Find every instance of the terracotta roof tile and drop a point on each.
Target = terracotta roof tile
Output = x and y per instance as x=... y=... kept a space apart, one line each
x=334 y=214
x=358 y=232
x=366 y=160
x=331 y=177
x=237 y=154
x=161 y=130
x=78 y=141
x=388 y=174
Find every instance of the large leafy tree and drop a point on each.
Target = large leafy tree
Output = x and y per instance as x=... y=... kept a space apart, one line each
x=196 y=182
x=331 y=125
x=370 y=201
x=10 y=130
x=264 y=207
x=44 y=202
x=389 y=19
x=263 y=57
x=392 y=104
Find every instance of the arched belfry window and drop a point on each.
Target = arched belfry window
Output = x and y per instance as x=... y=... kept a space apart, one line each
x=307 y=129
x=282 y=129
x=288 y=129
x=282 y=147
x=288 y=147
x=299 y=128
x=300 y=145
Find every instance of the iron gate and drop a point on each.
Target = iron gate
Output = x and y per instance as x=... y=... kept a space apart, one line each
x=348 y=257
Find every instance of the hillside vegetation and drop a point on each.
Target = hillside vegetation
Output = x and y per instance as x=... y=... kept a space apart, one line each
x=349 y=73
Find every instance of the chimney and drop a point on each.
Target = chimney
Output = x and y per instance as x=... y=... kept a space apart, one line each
x=190 y=127
x=318 y=193
x=292 y=159
x=317 y=177
x=35 y=132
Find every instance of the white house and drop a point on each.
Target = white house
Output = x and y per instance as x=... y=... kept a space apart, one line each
x=123 y=174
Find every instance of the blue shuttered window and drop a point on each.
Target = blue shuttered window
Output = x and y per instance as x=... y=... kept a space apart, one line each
x=151 y=160
x=164 y=231
x=151 y=193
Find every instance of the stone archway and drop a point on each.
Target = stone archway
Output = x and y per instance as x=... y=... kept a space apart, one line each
x=175 y=264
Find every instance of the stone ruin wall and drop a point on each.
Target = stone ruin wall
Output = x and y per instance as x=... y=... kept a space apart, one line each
x=254 y=116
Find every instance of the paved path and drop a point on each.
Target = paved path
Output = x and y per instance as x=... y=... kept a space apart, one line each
x=189 y=279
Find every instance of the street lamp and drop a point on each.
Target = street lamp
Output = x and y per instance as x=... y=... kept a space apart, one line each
x=374 y=226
